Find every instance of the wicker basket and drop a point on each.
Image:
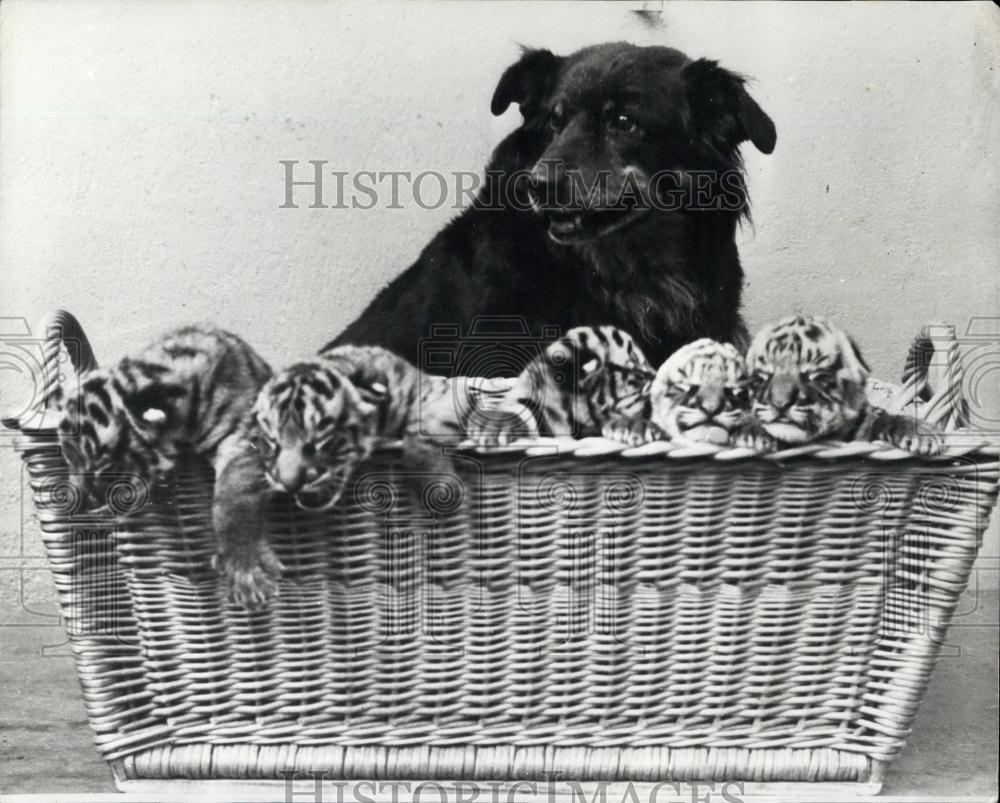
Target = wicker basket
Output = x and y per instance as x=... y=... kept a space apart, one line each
x=572 y=608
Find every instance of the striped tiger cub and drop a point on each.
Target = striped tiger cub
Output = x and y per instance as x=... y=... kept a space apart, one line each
x=318 y=420
x=579 y=382
x=807 y=383
x=192 y=389
x=699 y=395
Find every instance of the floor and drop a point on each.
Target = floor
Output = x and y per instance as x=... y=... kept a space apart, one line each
x=45 y=744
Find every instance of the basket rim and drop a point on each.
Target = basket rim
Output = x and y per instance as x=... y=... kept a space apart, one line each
x=962 y=443
x=595 y=447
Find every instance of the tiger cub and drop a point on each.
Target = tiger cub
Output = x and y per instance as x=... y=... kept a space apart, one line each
x=807 y=383
x=317 y=420
x=193 y=388
x=579 y=382
x=699 y=395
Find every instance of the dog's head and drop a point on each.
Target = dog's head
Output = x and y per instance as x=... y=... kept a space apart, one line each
x=629 y=130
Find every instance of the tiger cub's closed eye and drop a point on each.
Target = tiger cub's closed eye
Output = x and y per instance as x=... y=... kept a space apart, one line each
x=264 y=445
x=824 y=379
x=330 y=444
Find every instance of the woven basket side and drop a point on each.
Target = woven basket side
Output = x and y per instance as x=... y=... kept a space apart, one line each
x=94 y=599
x=934 y=537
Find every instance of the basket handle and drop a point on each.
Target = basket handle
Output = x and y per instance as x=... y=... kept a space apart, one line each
x=62 y=330
x=932 y=379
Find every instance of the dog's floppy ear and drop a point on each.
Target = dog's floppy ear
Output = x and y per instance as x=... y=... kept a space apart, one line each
x=527 y=81
x=722 y=109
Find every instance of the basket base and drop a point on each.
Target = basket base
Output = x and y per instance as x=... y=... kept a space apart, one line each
x=501 y=763
x=140 y=791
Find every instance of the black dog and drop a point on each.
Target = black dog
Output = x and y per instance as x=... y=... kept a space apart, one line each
x=615 y=202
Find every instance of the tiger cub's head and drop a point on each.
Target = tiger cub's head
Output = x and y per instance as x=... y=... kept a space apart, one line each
x=112 y=440
x=807 y=379
x=599 y=368
x=700 y=393
x=313 y=428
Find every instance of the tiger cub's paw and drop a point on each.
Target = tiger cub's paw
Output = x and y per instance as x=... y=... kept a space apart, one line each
x=252 y=574
x=632 y=431
x=751 y=435
x=501 y=429
x=909 y=433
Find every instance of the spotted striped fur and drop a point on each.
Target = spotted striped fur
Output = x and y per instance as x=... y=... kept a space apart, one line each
x=577 y=384
x=699 y=395
x=319 y=419
x=807 y=380
x=190 y=390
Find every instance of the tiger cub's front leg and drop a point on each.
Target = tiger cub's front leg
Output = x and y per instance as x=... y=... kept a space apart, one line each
x=244 y=557
x=502 y=426
x=750 y=434
x=904 y=432
x=633 y=430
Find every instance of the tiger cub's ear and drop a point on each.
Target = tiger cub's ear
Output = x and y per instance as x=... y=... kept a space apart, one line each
x=590 y=371
x=371 y=397
x=373 y=394
x=854 y=364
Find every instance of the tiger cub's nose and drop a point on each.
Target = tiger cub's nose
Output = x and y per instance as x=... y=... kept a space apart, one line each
x=292 y=473
x=782 y=402
x=711 y=403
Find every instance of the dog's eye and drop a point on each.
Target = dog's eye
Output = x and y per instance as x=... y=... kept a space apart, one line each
x=557 y=118
x=623 y=123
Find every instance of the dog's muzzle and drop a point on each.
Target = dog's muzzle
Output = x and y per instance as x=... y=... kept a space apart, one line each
x=573 y=226
x=573 y=223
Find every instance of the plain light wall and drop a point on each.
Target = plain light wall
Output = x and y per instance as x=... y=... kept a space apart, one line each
x=141 y=143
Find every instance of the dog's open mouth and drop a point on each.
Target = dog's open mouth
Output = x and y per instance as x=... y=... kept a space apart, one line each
x=578 y=226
